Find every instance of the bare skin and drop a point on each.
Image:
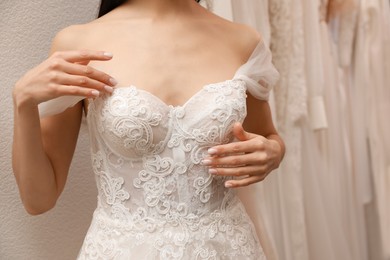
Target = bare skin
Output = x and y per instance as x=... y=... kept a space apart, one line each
x=199 y=48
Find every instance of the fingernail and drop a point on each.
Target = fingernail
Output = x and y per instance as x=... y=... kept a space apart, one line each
x=95 y=93
x=206 y=162
x=108 y=54
x=228 y=185
x=108 y=89
x=113 y=81
x=213 y=171
x=212 y=151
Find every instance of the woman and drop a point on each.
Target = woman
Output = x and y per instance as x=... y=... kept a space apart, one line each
x=162 y=143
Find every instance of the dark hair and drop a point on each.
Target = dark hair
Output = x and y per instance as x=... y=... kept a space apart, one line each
x=109 y=5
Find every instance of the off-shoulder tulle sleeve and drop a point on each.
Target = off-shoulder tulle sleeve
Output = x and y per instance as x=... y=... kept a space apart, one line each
x=57 y=105
x=258 y=72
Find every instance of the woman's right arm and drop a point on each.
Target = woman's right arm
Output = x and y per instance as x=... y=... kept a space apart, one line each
x=43 y=149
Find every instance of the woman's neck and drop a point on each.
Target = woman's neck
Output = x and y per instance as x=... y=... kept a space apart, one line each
x=160 y=8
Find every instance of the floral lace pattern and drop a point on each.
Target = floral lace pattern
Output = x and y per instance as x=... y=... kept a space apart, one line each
x=156 y=200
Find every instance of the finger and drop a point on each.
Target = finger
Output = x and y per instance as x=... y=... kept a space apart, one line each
x=237 y=147
x=82 y=55
x=240 y=133
x=76 y=91
x=236 y=160
x=82 y=62
x=80 y=81
x=88 y=71
x=248 y=170
x=244 y=182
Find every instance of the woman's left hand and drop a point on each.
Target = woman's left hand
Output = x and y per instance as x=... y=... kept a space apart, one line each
x=251 y=159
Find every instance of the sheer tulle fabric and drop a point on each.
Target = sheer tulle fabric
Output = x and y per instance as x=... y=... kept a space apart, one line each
x=155 y=198
x=57 y=105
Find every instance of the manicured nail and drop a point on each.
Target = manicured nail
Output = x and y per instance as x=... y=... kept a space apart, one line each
x=228 y=185
x=108 y=89
x=113 y=81
x=212 y=151
x=213 y=171
x=108 y=54
x=206 y=162
x=95 y=93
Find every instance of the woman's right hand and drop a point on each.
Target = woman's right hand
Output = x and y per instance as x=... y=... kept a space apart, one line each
x=64 y=73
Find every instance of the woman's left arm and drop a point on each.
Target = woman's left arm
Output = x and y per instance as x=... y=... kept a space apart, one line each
x=259 y=149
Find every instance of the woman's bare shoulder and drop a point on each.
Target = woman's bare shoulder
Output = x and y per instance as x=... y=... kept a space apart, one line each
x=69 y=38
x=78 y=36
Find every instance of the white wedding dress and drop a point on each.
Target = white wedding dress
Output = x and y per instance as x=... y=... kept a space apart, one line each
x=155 y=198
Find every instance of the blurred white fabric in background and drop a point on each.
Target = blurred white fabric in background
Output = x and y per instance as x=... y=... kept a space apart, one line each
x=330 y=197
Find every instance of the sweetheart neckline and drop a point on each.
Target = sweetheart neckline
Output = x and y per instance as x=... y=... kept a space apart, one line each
x=183 y=105
x=259 y=45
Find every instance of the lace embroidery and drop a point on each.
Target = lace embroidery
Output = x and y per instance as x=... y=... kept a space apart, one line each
x=127 y=120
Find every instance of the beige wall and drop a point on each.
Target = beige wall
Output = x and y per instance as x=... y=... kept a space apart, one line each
x=26 y=30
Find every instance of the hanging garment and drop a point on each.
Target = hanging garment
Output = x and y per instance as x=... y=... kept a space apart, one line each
x=371 y=77
x=287 y=43
x=346 y=210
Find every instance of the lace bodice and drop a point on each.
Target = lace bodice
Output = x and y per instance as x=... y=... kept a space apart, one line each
x=155 y=198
